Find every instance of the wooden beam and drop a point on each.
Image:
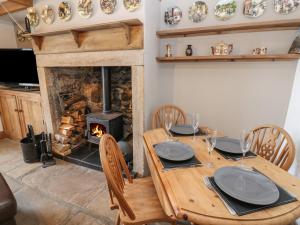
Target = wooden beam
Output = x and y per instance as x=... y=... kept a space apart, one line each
x=14 y=6
x=38 y=40
x=127 y=32
x=75 y=35
x=27 y=3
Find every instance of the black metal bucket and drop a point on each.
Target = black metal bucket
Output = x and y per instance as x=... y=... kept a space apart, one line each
x=30 y=153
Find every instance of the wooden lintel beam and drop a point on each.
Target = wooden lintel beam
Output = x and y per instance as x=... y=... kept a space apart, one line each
x=27 y=3
x=75 y=35
x=127 y=32
x=38 y=40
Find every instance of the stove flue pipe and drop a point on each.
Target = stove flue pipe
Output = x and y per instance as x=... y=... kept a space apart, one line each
x=106 y=89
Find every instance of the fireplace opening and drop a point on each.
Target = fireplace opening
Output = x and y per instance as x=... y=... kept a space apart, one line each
x=97 y=130
x=86 y=103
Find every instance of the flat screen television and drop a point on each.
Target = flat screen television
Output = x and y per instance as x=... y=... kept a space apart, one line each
x=18 y=67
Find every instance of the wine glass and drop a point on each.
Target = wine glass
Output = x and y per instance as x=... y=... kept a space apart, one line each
x=245 y=145
x=211 y=140
x=168 y=124
x=195 y=123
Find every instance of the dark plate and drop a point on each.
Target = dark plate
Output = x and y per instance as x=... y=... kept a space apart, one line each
x=183 y=129
x=246 y=186
x=174 y=151
x=229 y=145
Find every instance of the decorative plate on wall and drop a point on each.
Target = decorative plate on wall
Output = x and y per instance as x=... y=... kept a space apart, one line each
x=286 y=6
x=225 y=9
x=85 y=8
x=108 y=6
x=33 y=17
x=198 y=11
x=64 y=11
x=254 y=8
x=48 y=14
x=173 y=15
x=132 y=5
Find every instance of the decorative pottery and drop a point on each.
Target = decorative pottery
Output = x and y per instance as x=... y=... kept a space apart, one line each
x=132 y=5
x=84 y=8
x=260 y=51
x=33 y=17
x=198 y=11
x=222 y=49
x=173 y=15
x=189 y=50
x=225 y=9
x=168 y=50
x=48 y=14
x=295 y=48
x=20 y=35
x=64 y=11
x=286 y=6
x=254 y=8
x=108 y=6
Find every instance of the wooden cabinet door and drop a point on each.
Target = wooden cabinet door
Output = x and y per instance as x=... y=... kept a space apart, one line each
x=10 y=116
x=31 y=113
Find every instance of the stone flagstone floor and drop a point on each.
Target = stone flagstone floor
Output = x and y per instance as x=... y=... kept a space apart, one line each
x=65 y=194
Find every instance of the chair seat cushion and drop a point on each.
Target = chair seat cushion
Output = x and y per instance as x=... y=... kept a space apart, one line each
x=142 y=198
x=8 y=204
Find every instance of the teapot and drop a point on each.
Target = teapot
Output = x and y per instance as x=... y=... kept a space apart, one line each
x=222 y=49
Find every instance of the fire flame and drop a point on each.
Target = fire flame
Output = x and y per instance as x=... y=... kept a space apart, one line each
x=97 y=131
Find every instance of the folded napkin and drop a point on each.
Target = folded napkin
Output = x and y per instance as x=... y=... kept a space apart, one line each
x=235 y=157
x=242 y=208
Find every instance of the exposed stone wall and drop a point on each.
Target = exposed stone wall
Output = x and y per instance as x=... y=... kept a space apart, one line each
x=86 y=81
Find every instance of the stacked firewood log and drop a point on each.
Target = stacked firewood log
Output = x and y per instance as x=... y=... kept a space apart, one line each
x=72 y=125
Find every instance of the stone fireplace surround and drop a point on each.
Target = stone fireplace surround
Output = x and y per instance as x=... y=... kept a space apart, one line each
x=126 y=58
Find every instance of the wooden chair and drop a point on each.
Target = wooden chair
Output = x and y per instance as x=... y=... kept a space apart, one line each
x=137 y=201
x=158 y=116
x=274 y=144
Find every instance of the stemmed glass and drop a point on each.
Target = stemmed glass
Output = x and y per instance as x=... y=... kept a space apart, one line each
x=195 y=123
x=211 y=140
x=245 y=145
x=168 y=124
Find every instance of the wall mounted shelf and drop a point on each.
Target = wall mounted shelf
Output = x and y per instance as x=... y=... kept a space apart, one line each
x=234 y=28
x=229 y=58
x=76 y=32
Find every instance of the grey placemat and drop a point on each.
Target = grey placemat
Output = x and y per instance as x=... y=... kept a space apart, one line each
x=242 y=208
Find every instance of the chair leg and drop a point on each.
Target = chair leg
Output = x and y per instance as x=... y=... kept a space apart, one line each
x=118 y=221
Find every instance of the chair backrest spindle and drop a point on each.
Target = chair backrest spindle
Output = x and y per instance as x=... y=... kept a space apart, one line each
x=274 y=144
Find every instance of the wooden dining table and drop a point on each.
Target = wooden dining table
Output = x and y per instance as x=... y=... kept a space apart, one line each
x=184 y=196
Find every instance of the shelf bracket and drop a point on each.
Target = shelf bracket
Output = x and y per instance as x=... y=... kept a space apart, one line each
x=127 y=30
x=38 y=40
x=75 y=35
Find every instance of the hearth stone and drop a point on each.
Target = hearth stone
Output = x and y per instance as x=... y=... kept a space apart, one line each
x=84 y=156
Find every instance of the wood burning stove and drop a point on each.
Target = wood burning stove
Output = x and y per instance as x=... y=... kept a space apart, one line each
x=104 y=122
x=99 y=124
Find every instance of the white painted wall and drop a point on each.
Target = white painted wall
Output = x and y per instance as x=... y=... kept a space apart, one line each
x=292 y=119
x=7 y=37
x=238 y=95
x=7 y=40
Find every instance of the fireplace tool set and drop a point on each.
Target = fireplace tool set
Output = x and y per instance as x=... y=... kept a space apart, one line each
x=38 y=148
